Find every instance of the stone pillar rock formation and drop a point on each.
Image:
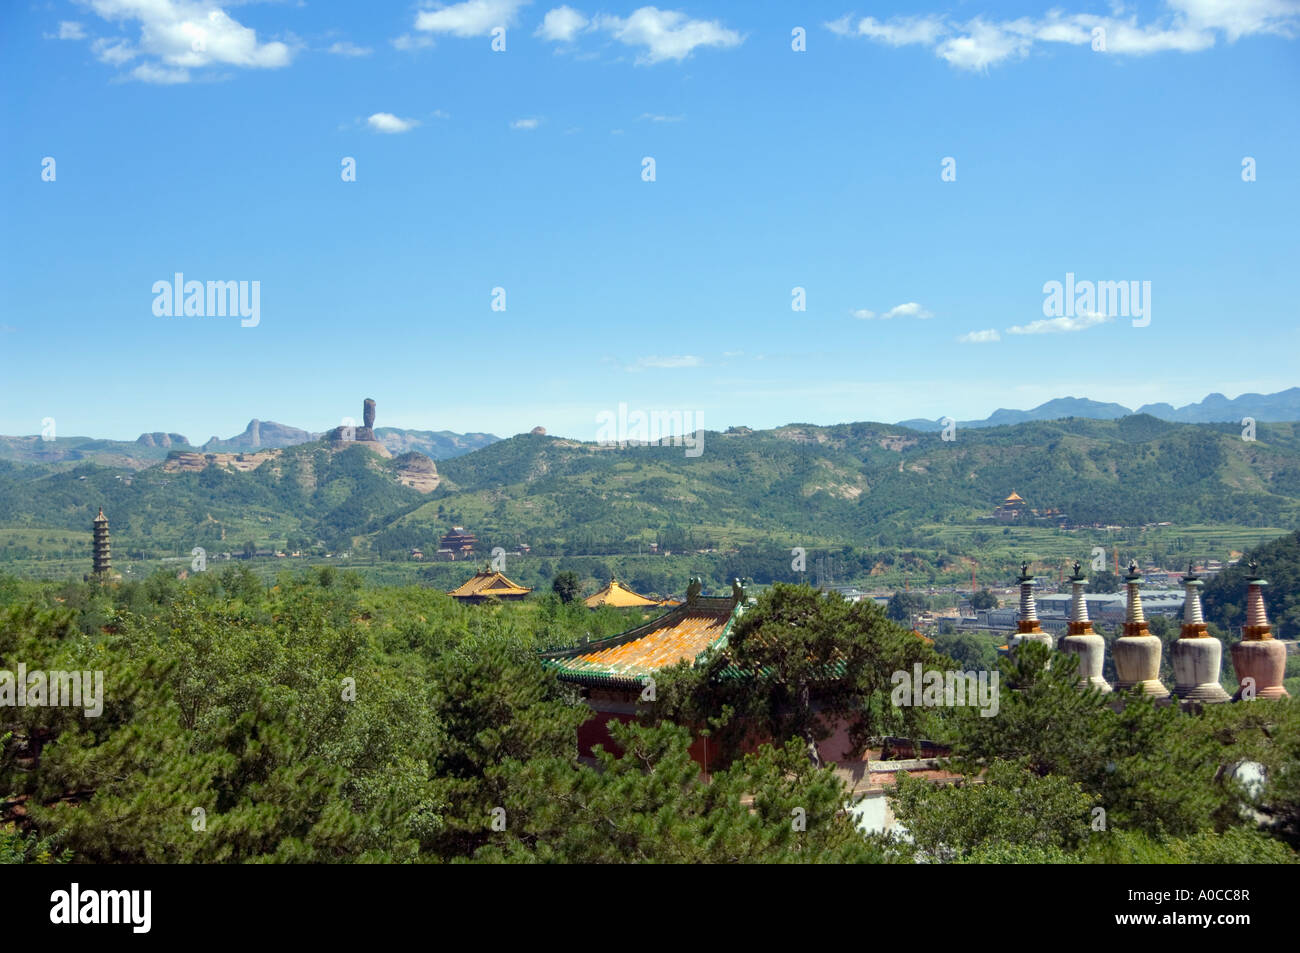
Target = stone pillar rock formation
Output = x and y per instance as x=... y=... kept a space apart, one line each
x=1137 y=652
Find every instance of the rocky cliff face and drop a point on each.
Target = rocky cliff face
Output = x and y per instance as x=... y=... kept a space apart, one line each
x=418 y=472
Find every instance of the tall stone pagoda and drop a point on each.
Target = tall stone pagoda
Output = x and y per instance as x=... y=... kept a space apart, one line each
x=1028 y=628
x=1081 y=640
x=1137 y=652
x=1198 y=656
x=102 y=566
x=1258 y=656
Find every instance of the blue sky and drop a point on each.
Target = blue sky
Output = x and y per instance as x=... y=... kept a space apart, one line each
x=209 y=138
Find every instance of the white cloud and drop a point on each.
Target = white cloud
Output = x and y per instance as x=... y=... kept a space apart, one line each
x=675 y=360
x=1238 y=18
x=902 y=31
x=531 y=123
x=562 y=25
x=180 y=35
x=1061 y=325
x=153 y=73
x=980 y=337
x=115 y=51
x=655 y=117
x=1186 y=26
x=667 y=34
x=387 y=122
x=909 y=310
x=470 y=18
x=345 y=48
x=68 y=30
x=983 y=45
x=407 y=42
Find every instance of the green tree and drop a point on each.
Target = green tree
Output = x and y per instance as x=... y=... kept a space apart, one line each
x=799 y=665
x=567 y=586
x=651 y=805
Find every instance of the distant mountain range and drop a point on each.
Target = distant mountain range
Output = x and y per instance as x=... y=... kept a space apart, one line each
x=1273 y=408
x=153 y=447
x=864 y=484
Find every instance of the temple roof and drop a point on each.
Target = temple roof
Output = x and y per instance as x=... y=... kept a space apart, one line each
x=619 y=596
x=488 y=583
x=686 y=632
x=1014 y=498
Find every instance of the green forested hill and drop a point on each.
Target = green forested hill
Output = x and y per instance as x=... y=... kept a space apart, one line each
x=852 y=484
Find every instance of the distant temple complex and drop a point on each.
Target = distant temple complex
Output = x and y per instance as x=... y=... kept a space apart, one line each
x=457 y=544
x=1011 y=509
x=1014 y=509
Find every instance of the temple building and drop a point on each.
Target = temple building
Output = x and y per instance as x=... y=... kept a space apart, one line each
x=1011 y=509
x=487 y=584
x=620 y=597
x=616 y=672
x=458 y=543
x=616 y=676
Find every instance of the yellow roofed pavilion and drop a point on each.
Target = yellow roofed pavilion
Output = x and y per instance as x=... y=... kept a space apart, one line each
x=619 y=596
x=486 y=584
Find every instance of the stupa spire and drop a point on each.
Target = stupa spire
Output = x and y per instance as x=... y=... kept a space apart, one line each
x=1197 y=656
x=1081 y=640
x=1259 y=659
x=1028 y=628
x=1137 y=652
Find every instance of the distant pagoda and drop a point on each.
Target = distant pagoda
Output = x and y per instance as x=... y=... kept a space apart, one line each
x=102 y=557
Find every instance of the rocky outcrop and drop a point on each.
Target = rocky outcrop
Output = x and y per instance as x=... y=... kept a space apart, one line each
x=185 y=462
x=159 y=439
x=261 y=434
x=341 y=438
x=418 y=472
